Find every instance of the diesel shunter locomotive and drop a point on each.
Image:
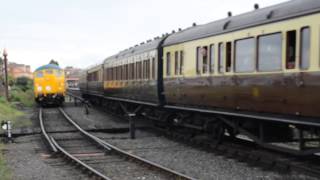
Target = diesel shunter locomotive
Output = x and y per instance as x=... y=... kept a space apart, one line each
x=49 y=85
x=256 y=74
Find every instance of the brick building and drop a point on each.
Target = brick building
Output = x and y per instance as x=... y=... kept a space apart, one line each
x=72 y=76
x=19 y=70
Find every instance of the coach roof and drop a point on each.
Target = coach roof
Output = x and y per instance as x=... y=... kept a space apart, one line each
x=138 y=49
x=286 y=10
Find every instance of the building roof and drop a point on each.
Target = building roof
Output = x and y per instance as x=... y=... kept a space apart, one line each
x=48 y=66
x=286 y=10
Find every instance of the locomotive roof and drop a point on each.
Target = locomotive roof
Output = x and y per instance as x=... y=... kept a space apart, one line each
x=138 y=49
x=286 y=10
x=48 y=66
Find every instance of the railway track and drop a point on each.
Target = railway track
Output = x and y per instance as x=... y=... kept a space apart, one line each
x=250 y=153
x=97 y=157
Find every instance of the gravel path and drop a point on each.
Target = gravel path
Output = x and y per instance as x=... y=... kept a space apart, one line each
x=29 y=160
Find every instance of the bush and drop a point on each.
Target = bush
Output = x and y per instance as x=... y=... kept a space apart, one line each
x=24 y=83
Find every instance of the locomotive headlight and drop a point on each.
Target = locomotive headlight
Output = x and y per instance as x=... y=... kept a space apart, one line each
x=48 y=88
x=39 y=88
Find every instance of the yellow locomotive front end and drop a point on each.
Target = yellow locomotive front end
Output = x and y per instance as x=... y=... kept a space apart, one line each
x=49 y=85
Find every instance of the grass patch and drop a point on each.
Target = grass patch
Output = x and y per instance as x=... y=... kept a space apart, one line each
x=25 y=97
x=5 y=173
x=9 y=112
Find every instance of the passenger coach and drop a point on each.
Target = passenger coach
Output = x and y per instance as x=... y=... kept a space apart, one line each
x=256 y=74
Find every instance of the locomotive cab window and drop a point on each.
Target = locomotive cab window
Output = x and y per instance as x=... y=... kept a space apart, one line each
x=39 y=74
x=49 y=71
x=305 y=48
x=291 y=50
x=245 y=55
x=270 y=52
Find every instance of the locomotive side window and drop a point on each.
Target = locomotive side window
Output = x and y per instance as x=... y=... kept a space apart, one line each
x=168 y=64
x=228 y=56
x=212 y=57
x=204 y=55
x=245 y=55
x=132 y=71
x=176 y=63
x=305 y=48
x=270 y=52
x=181 y=63
x=291 y=50
x=221 y=60
x=198 y=59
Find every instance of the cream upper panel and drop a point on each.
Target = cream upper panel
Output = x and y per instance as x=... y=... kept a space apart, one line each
x=131 y=59
x=189 y=48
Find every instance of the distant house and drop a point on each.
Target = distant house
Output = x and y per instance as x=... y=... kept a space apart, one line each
x=19 y=70
x=72 y=76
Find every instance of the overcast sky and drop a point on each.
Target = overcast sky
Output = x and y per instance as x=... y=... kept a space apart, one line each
x=83 y=32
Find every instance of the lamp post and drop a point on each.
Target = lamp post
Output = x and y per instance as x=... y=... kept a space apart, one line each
x=6 y=87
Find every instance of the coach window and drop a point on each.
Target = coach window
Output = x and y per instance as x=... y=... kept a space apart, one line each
x=181 y=67
x=137 y=71
x=221 y=58
x=228 y=56
x=291 y=50
x=113 y=73
x=140 y=70
x=132 y=71
x=168 y=63
x=127 y=71
x=176 y=63
x=204 y=55
x=305 y=48
x=212 y=57
x=198 y=60
x=153 y=68
x=148 y=69
x=245 y=55
x=270 y=52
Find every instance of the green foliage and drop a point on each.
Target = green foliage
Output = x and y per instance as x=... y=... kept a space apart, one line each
x=54 y=62
x=26 y=97
x=24 y=83
x=8 y=111
x=11 y=80
x=22 y=91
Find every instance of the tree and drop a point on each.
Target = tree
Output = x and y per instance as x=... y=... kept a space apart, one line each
x=52 y=61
